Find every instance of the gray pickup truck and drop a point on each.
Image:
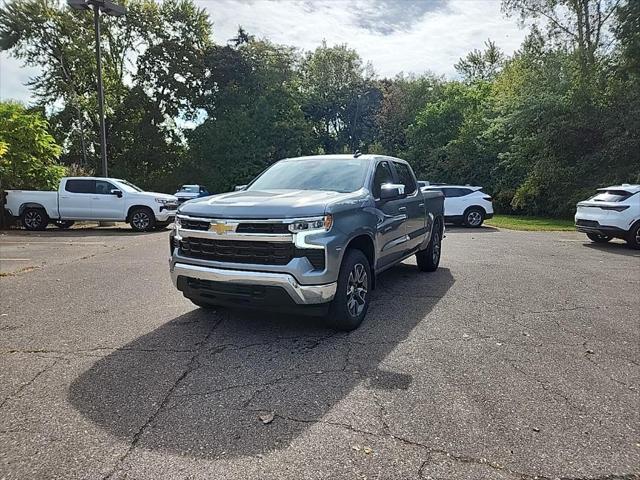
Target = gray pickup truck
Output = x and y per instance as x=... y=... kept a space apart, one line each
x=309 y=234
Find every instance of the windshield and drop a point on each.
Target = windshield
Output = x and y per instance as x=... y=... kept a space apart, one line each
x=314 y=174
x=129 y=187
x=190 y=189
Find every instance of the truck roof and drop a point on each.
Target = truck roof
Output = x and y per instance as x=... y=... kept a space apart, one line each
x=346 y=156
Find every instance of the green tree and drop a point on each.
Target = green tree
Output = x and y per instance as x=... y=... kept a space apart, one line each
x=28 y=152
x=481 y=65
x=340 y=98
x=254 y=115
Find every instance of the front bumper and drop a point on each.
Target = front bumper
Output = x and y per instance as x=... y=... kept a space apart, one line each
x=299 y=294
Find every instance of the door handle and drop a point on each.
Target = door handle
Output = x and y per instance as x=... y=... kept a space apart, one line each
x=95 y=198
x=421 y=204
x=402 y=209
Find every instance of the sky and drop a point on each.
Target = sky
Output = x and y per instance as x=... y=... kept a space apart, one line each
x=410 y=36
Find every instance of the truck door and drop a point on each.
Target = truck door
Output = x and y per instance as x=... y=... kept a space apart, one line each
x=391 y=237
x=412 y=205
x=74 y=199
x=105 y=205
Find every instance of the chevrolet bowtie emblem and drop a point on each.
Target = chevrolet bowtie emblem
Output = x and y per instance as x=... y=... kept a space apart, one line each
x=221 y=228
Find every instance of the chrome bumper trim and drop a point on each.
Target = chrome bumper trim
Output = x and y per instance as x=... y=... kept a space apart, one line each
x=301 y=294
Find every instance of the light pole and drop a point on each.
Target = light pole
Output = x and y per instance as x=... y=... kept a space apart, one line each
x=108 y=8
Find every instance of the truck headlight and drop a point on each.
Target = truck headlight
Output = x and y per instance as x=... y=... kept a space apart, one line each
x=315 y=223
x=164 y=201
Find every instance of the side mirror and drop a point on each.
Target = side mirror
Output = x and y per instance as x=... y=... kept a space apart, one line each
x=239 y=188
x=117 y=193
x=391 y=191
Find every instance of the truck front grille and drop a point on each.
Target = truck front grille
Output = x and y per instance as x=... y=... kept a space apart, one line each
x=195 y=224
x=243 y=251
x=238 y=251
x=263 y=228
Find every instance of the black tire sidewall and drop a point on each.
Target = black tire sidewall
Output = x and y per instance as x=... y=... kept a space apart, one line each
x=41 y=226
x=152 y=219
x=339 y=316
x=631 y=238
x=424 y=257
x=474 y=209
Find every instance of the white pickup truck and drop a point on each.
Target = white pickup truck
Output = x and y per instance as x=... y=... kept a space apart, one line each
x=93 y=199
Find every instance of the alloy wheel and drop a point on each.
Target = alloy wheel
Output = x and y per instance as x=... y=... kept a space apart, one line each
x=357 y=285
x=474 y=218
x=33 y=219
x=140 y=220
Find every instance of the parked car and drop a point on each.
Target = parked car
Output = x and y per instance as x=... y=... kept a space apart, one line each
x=92 y=198
x=309 y=234
x=189 y=192
x=614 y=212
x=464 y=204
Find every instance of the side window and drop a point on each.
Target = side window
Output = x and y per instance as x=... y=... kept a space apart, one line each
x=103 y=188
x=465 y=191
x=406 y=178
x=383 y=175
x=80 y=186
x=453 y=192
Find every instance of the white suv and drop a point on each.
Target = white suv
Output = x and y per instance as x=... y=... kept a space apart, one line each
x=464 y=204
x=614 y=212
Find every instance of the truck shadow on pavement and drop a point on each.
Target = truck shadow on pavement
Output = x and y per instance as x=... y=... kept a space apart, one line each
x=232 y=383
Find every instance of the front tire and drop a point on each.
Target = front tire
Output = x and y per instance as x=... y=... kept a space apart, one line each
x=633 y=238
x=34 y=219
x=429 y=259
x=142 y=219
x=474 y=217
x=351 y=302
x=596 y=237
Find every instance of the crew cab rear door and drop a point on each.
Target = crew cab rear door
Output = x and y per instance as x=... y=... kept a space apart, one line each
x=412 y=206
x=74 y=198
x=391 y=238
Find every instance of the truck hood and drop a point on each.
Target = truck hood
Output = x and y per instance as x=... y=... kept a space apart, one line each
x=262 y=204
x=164 y=196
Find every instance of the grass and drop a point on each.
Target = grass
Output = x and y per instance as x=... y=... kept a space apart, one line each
x=531 y=224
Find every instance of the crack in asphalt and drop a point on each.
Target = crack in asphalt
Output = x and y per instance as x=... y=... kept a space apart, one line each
x=191 y=365
x=28 y=383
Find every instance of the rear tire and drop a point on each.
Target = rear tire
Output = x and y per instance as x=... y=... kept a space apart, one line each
x=596 y=237
x=64 y=224
x=633 y=238
x=429 y=259
x=351 y=302
x=142 y=219
x=34 y=219
x=474 y=217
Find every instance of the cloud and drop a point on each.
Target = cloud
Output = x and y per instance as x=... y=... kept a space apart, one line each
x=411 y=36
x=13 y=78
x=394 y=35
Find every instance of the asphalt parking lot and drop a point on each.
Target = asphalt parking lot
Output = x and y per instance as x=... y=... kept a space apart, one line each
x=518 y=359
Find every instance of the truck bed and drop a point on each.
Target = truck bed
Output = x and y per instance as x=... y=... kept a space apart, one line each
x=18 y=199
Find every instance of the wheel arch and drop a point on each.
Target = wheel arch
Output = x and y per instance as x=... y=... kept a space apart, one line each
x=475 y=207
x=364 y=242
x=134 y=207
x=26 y=205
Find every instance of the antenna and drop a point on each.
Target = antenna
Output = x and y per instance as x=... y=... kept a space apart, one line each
x=357 y=153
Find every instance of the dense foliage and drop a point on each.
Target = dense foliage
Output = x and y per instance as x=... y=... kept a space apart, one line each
x=28 y=153
x=539 y=130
